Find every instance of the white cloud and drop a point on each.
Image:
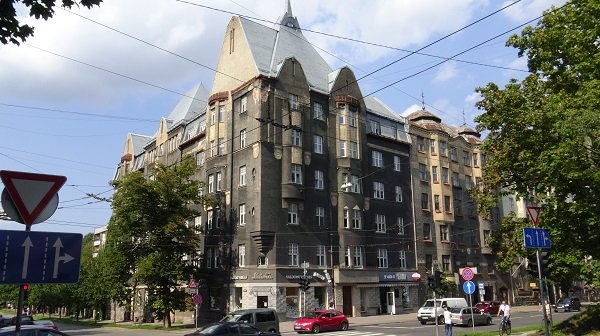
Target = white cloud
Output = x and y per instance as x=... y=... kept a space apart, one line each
x=472 y=98
x=412 y=108
x=528 y=9
x=446 y=71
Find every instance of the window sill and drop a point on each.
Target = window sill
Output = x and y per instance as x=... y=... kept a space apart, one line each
x=427 y=240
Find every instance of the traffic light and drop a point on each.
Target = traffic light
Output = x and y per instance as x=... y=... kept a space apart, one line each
x=431 y=282
x=544 y=264
x=532 y=266
x=437 y=279
x=25 y=292
x=304 y=285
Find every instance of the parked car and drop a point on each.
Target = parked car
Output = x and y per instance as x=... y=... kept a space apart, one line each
x=567 y=304
x=4 y=321
x=46 y=323
x=25 y=319
x=465 y=317
x=320 y=320
x=426 y=313
x=230 y=329
x=265 y=319
x=490 y=307
x=31 y=330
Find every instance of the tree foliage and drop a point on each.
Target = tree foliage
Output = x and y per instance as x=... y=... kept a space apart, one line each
x=543 y=138
x=149 y=230
x=11 y=30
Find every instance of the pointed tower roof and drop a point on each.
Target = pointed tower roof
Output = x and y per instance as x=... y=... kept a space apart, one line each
x=288 y=18
x=270 y=47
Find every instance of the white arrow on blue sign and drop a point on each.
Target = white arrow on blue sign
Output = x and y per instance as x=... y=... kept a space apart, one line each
x=536 y=238
x=469 y=287
x=39 y=257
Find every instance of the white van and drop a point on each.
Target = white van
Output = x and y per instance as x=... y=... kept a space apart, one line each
x=426 y=314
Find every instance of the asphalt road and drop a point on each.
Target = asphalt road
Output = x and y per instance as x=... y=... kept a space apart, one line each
x=521 y=319
x=415 y=328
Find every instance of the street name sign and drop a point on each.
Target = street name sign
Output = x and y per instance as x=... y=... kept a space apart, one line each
x=39 y=257
x=30 y=198
x=536 y=238
x=469 y=287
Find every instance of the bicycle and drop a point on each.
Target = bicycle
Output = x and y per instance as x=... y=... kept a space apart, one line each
x=504 y=328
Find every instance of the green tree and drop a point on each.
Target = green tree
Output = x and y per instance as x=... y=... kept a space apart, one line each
x=150 y=227
x=543 y=138
x=11 y=30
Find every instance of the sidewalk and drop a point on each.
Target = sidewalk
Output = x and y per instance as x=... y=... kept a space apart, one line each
x=288 y=326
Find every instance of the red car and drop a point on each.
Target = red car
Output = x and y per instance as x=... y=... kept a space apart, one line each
x=490 y=307
x=321 y=320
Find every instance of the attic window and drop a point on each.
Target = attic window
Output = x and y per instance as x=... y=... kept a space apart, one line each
x=232 y=41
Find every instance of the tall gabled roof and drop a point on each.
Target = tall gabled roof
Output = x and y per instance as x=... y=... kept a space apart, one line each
x=374 y=105
x=139 y=142
x=270 y=47
x=189 y=106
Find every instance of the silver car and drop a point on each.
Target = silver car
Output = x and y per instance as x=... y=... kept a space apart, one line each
x=463 y=317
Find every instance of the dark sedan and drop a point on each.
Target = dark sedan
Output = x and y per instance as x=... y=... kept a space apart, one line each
x=231 y=329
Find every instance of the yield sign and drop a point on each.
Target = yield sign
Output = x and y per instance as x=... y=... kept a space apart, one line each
x=30 y=193
x=534 y=214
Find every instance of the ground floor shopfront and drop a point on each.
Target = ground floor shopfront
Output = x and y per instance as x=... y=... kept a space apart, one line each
x=355 y=292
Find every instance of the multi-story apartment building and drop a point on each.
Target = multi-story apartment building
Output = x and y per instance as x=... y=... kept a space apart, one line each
x=99 y=240
x=446 y=163
x=311 y=179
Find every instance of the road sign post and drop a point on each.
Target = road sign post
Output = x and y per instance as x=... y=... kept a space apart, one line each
x=533 y=213
x=30 y=198
x=40 y=257
x=536 y=238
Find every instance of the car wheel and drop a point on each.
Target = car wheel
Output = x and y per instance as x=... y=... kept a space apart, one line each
x=344 y=326
x=441 y=320
x=489 y=320
x=470 y=323
x=423 y=322
x=316 y=328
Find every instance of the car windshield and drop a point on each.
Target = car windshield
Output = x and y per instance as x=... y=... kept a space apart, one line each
x=429 y=303
x=208 y=329
x=564 y=300
x=313 y=314
x=230 y=317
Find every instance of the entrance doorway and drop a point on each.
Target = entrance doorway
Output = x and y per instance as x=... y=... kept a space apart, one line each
x=347 y=298
x=262 y=301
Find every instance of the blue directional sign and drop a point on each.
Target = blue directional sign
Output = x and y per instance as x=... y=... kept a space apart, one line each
x=39 y=257
x=536 y=238
x=469 y=287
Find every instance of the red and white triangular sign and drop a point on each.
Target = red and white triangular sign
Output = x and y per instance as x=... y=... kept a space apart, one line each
x=31 y=193
x=534 y=214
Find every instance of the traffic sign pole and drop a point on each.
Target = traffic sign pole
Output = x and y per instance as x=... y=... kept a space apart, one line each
x=21 y=302
x=539 y=265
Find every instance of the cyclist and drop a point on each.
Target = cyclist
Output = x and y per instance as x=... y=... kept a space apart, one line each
x=505 y=310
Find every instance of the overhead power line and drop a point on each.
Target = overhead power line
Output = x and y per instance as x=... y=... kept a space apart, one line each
x=418 y=52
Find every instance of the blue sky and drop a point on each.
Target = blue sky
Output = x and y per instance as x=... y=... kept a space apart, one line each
x=70 y=95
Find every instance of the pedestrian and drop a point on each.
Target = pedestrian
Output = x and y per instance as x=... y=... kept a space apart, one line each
x=448 y=321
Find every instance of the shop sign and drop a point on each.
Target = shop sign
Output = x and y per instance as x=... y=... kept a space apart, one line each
x=395 y=276
x=262 y=276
